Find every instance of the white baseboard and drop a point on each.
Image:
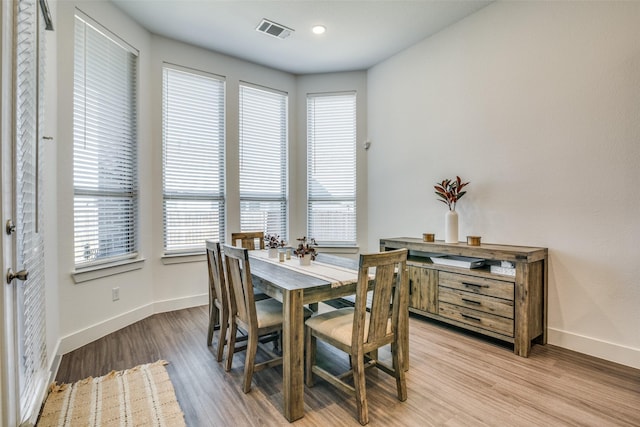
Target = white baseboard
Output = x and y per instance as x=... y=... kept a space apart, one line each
x=89 y=334
x=612 y=352
x=99 y=330
x=54 y=363
x=598 y=348
x=84 y=336
x=180 y=303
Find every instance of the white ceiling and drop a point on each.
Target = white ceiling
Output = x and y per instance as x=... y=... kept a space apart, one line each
x=359 y=33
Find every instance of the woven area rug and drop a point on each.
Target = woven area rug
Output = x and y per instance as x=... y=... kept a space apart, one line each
x=140 y=396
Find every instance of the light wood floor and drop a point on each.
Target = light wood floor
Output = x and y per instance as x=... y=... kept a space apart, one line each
x=454 y=379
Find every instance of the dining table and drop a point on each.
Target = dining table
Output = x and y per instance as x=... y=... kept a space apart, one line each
x=295 y=285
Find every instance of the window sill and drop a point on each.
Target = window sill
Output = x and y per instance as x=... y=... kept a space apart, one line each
x=105 y=270
x=183 y=258
x=339 y=249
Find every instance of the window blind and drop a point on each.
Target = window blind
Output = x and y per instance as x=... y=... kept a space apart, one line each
x=104 y=146
x=331 y=168
x=193 y=159
x=263 y=160
x=30 y=294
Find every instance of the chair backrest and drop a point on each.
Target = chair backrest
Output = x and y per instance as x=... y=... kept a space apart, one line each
x=250 y=239
x=216 y=272
x=390 y=295
x=241 y=298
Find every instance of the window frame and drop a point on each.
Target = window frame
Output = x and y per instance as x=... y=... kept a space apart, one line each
x=174 y=255
x=263 y=133
x=312 y=167
x=129 y=189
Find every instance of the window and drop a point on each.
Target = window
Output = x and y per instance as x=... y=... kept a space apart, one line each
x=263 y=160
x=193 y=159
x=331 y=168
x=104 y=146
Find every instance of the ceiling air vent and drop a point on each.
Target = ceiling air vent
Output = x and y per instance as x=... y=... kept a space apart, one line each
x=273 y=29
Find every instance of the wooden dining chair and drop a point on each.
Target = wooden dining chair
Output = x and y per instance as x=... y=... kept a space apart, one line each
x=218 y=297
x=255 y=318
x=360 y=333
x=251 y=240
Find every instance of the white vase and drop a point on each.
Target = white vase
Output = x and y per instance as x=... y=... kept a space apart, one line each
x=451 y=227
x=305 y=260
x=273 y=252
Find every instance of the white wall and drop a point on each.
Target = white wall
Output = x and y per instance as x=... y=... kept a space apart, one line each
x=326 y=83
x=86 y=311
x=537 y=104
x=534 y=103
x=186 y=280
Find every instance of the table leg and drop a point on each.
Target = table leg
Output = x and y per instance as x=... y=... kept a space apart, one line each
x=293 y=355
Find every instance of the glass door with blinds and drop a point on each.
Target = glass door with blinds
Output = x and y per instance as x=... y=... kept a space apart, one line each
x=24 y=315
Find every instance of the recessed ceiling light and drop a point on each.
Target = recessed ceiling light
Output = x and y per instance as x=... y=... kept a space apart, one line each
x=318 y=29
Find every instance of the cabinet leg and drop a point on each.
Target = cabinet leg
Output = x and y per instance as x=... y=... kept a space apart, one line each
x=522 y=349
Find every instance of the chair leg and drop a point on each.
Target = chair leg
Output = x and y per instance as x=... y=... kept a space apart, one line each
x=360 y=387
x=398 y=367
x=231 y=345
x=222 y=336
x=250 y=360
x=277 y=343
x=213 y=316
x=310 y=356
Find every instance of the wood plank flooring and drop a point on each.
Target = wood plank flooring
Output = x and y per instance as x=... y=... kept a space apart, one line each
x=455 y=379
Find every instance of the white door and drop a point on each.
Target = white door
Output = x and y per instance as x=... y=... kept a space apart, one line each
x=24 y=367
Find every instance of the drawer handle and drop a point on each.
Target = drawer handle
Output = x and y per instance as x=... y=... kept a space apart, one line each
x=475 y=285
x=470 y=301
x=466 y=316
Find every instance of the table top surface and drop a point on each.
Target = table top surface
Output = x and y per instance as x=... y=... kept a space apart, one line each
x=289 y=275
x=485 y=250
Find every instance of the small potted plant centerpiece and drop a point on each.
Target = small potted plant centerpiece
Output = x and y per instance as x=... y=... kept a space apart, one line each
x=272 y=242
x=306 y=251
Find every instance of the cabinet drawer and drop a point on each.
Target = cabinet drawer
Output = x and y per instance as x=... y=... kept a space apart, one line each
x=476 y=318
x=483 y=303
x=477 y=285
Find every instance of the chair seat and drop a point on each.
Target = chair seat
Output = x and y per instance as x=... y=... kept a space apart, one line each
x=269 y=313
x=338 y=324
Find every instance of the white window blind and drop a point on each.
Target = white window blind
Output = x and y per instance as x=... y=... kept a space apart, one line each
x=30 y=293
x=331 y=168
x=263 y=160
x=104 y=146
x=193 y=159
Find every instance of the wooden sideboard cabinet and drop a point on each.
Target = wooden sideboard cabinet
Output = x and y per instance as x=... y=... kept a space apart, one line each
x=509 y=307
